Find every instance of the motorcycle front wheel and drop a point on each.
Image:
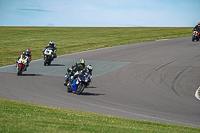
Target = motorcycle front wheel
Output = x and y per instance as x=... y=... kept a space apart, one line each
x=45 y=61
x=19 y=71
x=80 y=88
x=193 y=38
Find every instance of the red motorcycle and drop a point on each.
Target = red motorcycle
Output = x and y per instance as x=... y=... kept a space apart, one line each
x=21 y=64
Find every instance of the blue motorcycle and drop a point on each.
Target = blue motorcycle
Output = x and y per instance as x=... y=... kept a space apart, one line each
x=79 y=83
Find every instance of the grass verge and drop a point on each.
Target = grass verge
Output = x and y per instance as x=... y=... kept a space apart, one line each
x=18 y=116
x=15 y=40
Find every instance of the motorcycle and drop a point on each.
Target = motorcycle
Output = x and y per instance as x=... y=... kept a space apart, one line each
x=79 y=83
x=21 y=64
x=48 y=56
x=195 y=36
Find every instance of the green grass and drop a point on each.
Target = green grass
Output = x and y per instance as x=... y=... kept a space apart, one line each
x=26 y=117
x=15 y=40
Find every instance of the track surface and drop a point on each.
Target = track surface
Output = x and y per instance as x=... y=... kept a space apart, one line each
x=153 y=81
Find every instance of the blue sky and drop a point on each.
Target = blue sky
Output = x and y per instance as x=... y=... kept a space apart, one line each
x=100 y=13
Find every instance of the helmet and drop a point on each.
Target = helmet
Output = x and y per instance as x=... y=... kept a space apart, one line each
x=69 y=69
x=23 y=54
x=89 y=67
x=82 y=61
x=28 y=51
x=51 y=43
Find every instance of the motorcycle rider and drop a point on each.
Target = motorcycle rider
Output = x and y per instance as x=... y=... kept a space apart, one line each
x=51 y=46
x=68 y=75
x=89 y=70
x=75 y=71
x=197 y=27
x=28 y=54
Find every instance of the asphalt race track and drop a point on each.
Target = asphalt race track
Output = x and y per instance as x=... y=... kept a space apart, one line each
x=153 y=81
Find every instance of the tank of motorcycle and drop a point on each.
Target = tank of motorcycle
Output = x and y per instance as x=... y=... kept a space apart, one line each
x=48 y=52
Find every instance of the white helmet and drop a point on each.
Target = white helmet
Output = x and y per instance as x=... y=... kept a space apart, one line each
x=89 y=67
x=51 y=43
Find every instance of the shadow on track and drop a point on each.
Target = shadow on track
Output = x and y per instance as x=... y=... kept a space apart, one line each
x=31 y=75
x=56 y=65
x=90 y=87
x=91 y=94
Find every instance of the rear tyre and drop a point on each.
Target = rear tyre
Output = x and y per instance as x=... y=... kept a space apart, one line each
x=69 y=90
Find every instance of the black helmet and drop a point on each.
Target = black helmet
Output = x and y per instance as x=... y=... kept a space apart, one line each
x=69 y=69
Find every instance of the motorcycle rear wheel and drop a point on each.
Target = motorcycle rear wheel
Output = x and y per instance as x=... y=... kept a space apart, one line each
x=69 y=90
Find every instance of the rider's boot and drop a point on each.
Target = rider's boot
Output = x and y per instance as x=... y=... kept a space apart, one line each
x=65 y=83
x=25 y=68
x=54 y=55
x=16 y=64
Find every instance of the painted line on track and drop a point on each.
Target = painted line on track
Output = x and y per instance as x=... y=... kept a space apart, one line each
x=197 y=93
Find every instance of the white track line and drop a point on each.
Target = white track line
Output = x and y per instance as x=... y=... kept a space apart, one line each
x=197 y=93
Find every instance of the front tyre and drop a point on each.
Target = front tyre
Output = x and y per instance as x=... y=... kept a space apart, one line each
x=19 y=71
x=193 y=38
x=45 y=61
x=80 y=88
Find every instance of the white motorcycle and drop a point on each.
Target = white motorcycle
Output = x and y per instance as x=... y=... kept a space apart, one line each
x=48 y=56
x=21 y=64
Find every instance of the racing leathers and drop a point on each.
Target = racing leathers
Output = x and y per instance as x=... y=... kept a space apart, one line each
x=73 y=72
x=197 y=28
x=89 y=71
